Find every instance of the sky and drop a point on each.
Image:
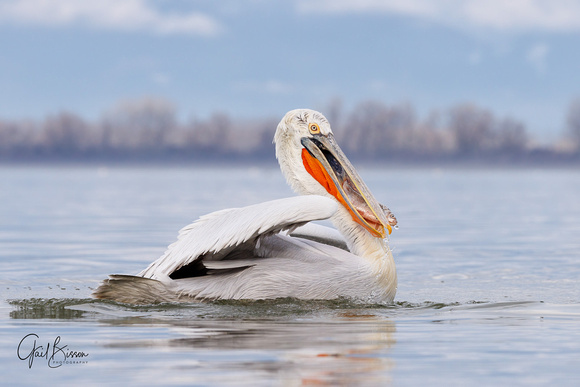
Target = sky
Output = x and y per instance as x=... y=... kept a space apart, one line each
x=261 y=58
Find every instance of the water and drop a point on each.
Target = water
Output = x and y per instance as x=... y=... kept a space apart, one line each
x=488 y=264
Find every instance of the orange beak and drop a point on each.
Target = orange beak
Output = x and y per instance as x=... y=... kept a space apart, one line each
x=328 y=165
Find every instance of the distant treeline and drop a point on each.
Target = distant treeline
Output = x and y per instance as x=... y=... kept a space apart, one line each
x=148 y=130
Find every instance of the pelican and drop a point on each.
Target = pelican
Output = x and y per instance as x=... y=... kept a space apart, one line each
x=270 y=250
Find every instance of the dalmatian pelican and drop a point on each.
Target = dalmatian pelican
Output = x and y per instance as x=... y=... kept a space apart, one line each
x=270 y=250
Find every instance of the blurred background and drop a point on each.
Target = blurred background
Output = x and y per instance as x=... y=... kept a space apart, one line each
x=445 y=81
x=151 y=113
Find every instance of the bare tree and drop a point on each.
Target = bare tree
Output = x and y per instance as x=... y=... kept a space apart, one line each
x=65 y=134
x=472 y=128
x=138 y=124
x=148 y=127
x=334 y=112
x=11 y=136
x=512 y=138
x=263 y=147
x=573 y=122
x=376 y=130
x=211 y=135
x=428 y=139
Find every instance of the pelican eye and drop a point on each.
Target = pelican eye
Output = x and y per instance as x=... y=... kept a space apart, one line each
x=314 y=128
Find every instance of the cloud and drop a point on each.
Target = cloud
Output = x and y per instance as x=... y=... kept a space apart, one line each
x=536 y=56
x=120 y=15
x=502 y=15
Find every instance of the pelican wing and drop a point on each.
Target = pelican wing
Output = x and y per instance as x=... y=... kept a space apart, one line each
x=320 y=233
x=214 y=236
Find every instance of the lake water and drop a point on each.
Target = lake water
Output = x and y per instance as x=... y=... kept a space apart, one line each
x=488 y=264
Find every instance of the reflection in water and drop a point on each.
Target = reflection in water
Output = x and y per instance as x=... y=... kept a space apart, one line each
x=292 y=342
x=297 y=342
x=350 y=349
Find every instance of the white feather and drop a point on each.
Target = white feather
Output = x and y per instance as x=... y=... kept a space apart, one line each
x=223 y=230
x=240 y=253
x=320 y=233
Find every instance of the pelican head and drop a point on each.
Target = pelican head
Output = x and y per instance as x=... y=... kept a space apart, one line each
x=314 y=164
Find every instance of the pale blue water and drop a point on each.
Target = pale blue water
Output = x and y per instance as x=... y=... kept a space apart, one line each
x=488 y=264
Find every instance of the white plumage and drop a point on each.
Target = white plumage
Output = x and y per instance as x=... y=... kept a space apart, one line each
x=215 y=235
x=269 y=250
